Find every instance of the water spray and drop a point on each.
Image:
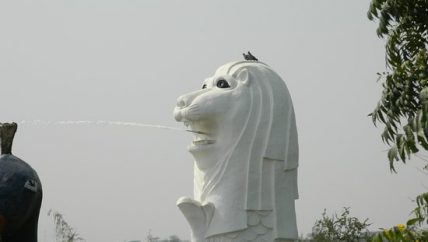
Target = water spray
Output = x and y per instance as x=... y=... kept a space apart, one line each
x=102 y=122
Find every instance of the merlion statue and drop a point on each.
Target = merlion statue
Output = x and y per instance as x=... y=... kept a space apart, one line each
x=20 y=193
x=246 y=156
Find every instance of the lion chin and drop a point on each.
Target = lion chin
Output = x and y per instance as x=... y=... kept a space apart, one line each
x=245 y=144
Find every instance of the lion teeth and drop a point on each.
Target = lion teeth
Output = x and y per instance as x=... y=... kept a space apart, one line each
x=203 y=142
x=197 y=132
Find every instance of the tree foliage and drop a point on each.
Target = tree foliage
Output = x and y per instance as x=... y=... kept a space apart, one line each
x=411 y=232
x=403 y=107
x=341 y=227
x=401 y=233
x=420 y=213
x=172 y=238
x=64 y=232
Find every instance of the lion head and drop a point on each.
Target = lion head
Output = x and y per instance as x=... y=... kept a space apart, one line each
x=245 y=146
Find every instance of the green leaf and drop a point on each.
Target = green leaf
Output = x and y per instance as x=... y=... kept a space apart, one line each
x=413 y=221
x=392 y=153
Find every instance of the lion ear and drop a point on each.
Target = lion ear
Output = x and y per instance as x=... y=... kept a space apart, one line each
x=243 y=76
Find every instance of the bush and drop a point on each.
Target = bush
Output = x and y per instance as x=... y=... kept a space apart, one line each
x=341 y=227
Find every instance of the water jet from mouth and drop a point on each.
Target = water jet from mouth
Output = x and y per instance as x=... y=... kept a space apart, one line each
x=98 y=123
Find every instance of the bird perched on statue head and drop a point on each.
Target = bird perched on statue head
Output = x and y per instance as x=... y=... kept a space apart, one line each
x=249 y=57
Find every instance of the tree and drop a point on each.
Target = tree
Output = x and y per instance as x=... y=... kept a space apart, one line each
x=341 y=227
x=172 y=238
x=64 y=232
x=151 y=238
x=403 y=107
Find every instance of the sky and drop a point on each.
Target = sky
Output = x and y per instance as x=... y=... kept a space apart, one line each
x=129 y=60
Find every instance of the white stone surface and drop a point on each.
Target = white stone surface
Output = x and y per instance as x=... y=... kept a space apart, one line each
x=246 y=156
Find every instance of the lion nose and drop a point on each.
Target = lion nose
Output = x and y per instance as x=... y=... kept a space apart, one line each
x=183 y=102
x=177 y=115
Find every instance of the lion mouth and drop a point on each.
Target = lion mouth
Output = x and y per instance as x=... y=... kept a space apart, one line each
x=202 y=136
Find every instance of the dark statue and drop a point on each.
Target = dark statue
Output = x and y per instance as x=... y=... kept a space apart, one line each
x=20 y=193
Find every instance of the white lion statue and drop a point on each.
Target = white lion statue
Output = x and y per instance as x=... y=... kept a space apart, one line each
x=246 y=156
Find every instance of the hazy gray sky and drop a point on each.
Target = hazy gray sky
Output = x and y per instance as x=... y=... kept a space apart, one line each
x=130 y=60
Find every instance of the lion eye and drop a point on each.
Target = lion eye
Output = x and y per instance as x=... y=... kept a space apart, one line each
x=204 y=86
x=222 y=84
